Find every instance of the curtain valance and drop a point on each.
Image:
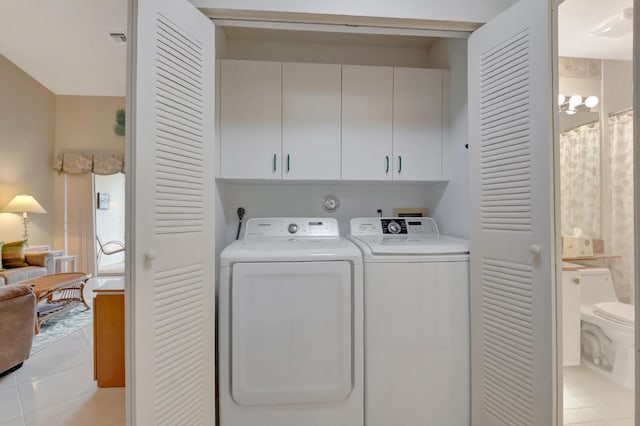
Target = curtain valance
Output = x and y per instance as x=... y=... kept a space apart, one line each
x=99 y=163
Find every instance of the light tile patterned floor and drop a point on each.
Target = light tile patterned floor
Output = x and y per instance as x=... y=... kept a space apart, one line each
x=592 y=400
x=55 y=386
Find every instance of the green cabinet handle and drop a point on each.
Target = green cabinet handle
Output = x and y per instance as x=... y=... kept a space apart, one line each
x=399 y=163
x=387 y=170
x=288 y=162
x=275 y=156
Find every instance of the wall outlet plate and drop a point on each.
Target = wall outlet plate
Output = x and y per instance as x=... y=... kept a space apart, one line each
x=330 y=203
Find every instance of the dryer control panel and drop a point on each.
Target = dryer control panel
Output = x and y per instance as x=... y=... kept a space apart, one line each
x=394 y=226
x=273 y=227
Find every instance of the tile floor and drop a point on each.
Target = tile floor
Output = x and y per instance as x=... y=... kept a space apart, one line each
x=592 y=400
x=55 y=386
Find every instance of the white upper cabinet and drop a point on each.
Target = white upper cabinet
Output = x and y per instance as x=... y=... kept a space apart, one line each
x=391 y=123
x=251 y=119
x=417 y=124
x=311 y=108
x=304 y=121
x=367 y=122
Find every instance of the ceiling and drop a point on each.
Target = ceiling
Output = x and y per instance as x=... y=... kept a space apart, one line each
x=577 y=18
x=65 y=44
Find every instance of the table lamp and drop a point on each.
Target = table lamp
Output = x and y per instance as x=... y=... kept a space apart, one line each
x=24 y=204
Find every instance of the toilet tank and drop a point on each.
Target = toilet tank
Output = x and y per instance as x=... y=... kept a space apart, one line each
x=596 y=286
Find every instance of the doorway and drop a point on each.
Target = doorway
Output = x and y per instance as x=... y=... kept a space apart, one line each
x=109 y=223
x=597 y=288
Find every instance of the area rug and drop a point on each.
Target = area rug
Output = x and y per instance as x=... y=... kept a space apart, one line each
x=60 y=326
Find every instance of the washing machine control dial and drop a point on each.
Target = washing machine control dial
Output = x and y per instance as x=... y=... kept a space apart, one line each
x=293 y=228
x=394 y=227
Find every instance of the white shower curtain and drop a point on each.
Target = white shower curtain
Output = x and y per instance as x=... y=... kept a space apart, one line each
x=580 y=180
x=621 y=178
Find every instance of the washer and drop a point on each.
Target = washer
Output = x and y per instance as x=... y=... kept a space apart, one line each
x=290 y=340
x=416 y=310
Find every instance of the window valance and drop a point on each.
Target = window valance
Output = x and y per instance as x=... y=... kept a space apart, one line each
x=99 y=163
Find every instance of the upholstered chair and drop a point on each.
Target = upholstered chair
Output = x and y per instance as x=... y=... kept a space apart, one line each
x=17 y=322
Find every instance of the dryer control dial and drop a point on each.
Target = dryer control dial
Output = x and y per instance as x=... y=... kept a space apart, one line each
x=394 y=227
x=293 y=228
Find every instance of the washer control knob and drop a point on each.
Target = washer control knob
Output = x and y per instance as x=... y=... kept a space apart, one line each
x=293 y=228
x=394 y=227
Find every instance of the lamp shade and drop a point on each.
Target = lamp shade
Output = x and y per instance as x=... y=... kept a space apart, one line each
x=24 y=204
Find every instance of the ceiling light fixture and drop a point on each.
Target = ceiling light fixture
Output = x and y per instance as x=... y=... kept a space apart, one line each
x=616 y=26
x=561 y=99
x=576 y=103
x=591 y=101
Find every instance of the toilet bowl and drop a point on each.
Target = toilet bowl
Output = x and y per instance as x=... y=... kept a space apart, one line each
x=607 y=328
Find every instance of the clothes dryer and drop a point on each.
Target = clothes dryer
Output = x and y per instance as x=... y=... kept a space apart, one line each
x=290 y=338
x=416 y=317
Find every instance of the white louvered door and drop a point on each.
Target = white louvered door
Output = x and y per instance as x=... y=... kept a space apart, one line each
x=170 y=198
x=512 y=226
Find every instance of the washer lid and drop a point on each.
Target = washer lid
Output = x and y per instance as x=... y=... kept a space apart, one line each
x=415 y=245
x=622 y=313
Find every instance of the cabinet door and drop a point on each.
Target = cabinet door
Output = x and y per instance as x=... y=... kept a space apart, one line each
x=108 y=340
x=311 y=108
x=570 y=318
x=417 y=124
x=250 y=119
x=367 y=94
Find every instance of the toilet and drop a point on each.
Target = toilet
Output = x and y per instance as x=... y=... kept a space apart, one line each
x=607 y=328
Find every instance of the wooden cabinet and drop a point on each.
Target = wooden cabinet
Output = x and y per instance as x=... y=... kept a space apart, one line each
x=571 y=318
x=367 y=122
x=108 y=336
x=417 y=124
x=311 y=108
x=250 y=119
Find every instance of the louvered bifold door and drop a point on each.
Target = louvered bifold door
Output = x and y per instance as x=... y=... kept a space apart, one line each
x=170 y=196
x=511 y=187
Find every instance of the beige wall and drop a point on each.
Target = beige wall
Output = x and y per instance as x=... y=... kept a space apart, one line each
x=83 y=123
x=86 y=122
x=27 y=116
x=35 y=124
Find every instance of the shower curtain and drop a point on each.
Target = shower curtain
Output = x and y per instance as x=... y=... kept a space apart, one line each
x=621 y=178
x=580 y=180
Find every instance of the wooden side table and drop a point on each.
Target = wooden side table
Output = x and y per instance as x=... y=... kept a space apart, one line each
x=108 y=335
x=65 y=263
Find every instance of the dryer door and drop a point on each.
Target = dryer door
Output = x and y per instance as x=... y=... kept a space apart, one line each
x=291 y=332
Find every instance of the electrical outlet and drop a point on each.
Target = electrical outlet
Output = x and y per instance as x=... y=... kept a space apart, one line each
x=233 y=213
